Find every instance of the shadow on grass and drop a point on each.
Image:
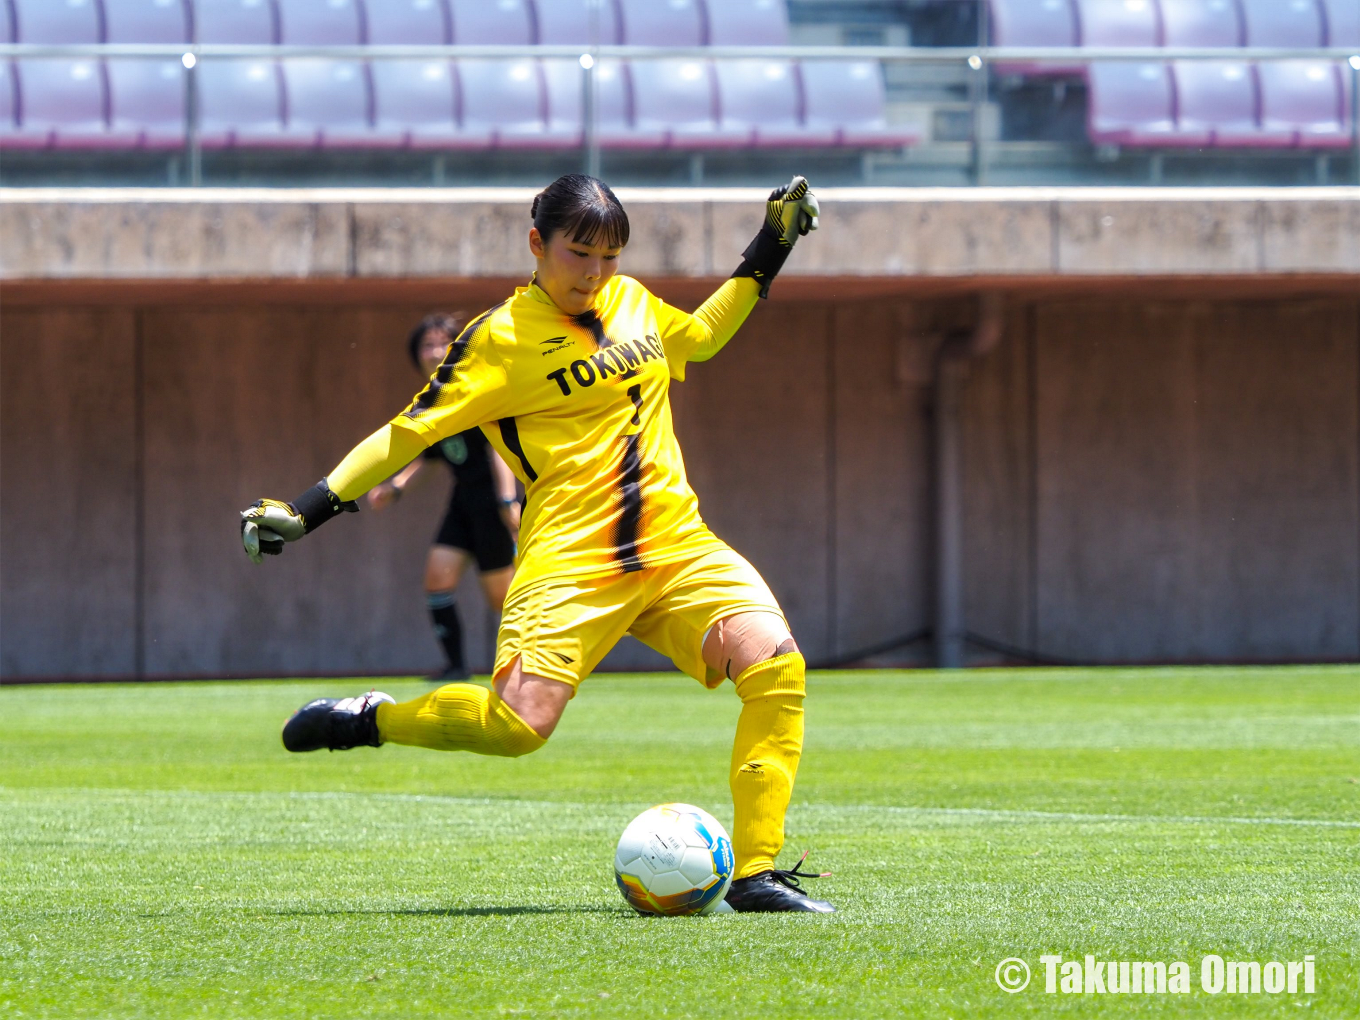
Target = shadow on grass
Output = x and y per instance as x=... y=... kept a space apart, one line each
x=491 y=911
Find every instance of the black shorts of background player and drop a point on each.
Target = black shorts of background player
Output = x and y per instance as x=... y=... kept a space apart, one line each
x=482 y=520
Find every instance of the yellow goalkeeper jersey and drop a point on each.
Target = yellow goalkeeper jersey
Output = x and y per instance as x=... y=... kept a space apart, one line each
x=578 y=406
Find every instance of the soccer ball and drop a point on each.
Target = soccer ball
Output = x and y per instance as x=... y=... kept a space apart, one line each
x=674 y=859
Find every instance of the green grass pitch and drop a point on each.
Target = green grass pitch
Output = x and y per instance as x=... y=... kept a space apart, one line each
x=162 y=856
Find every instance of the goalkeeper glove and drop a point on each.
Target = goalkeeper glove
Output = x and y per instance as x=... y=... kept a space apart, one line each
x=267 y=524
x=790 y=212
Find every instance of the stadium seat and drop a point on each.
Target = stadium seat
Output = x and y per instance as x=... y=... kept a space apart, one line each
x=146 y=103
x=145 y=21
x=1133 y=104
x=748 y=23
x=240 y=104
x=1034 y=23
x=243 y=22
x=1117 y=22
x=569 y=22
x=612 y=126
x=1343 y=22
x=491 y=22
x=61 y=104
x=407 y=22
x=760 y=100
x=1218 y=98
x=674 y=98
x=319 y=22
x=502 y=103
x=56 y=21
x=1201 y=23
x=9 y=106
x=1305 y=97
x=846 y=98
x=1283 y=22
x=662 y=22
x=327 y=103
x=415 y=103
x=6 y=29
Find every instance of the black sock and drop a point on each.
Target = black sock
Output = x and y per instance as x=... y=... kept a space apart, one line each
x=444 y=615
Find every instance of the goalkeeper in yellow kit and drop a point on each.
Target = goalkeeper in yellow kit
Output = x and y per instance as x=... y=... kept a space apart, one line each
x=569 y=378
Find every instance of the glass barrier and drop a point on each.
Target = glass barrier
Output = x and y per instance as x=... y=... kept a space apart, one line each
x=918 y=115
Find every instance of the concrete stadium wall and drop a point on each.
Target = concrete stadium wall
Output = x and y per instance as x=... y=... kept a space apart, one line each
x=1161 y=456
x=1145 y=481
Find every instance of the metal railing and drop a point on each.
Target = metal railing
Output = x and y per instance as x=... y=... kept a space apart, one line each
x=980 y=63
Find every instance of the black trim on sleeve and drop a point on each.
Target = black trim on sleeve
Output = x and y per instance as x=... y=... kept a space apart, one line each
x=510 y=437
x=762 y=260
x=319 y=504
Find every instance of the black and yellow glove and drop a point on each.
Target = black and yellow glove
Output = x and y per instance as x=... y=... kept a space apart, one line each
x=268 y=524
x=790 y=212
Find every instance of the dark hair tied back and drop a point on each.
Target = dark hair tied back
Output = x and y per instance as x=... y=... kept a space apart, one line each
x=441 y=322
x=583 y=207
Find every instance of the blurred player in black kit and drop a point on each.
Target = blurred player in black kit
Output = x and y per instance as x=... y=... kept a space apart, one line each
x=482 y=520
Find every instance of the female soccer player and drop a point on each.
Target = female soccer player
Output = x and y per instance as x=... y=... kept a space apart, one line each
x=482 y=520
x=569 y=377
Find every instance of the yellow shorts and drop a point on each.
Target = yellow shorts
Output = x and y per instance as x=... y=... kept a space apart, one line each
x=561 y=629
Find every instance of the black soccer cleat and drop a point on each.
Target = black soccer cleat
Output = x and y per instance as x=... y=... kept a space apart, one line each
x=775 y=890
x=335 y=725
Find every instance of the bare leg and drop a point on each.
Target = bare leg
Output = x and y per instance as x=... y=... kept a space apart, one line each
x=495 y=584
x=537 y=700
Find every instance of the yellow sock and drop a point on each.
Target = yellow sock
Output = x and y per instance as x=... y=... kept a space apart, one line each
x=765 y=757
x=458 y=717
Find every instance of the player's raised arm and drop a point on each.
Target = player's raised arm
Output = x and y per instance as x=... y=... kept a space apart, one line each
x=790 y=212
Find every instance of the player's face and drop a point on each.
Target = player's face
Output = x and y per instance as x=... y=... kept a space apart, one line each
x=433 y=346
x=572 y=272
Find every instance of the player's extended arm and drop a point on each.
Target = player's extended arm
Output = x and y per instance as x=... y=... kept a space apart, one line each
x=790 y=212
x=267 y=524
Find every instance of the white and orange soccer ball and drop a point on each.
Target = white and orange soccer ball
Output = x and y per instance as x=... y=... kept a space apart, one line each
x=674 y=859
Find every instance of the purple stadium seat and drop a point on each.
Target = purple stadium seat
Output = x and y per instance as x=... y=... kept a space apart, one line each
x=1034 y=23
x=9 y=106
x=1133 y=104
x=674 y=98
x=146 y=21
x=415 y=103
x=6 y=28
x=760 y=100
x=748 y=23
x=662 y=22
x=612 y=127
x=570 y=22
x=1283 y=22
x=408 y=22
x=319 y=22
x=1343 y=22
x=56 y=21
x=1218 y=98
x=502 y=103
x=146 y=103
x=1201 y=23
x=61 y=104
x=846 y=98
x=492 y=22
x=1304 y=97
x=327 y=102
x=240 y=104
x=244 y=22
x=1118 y=22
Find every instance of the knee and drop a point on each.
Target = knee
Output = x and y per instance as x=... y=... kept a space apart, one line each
x=743 y=640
